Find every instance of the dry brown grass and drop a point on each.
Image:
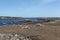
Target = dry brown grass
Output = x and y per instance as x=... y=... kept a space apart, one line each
x=55 y=23
x=37 y=33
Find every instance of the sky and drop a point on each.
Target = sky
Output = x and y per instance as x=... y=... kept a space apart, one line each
x=30 y=8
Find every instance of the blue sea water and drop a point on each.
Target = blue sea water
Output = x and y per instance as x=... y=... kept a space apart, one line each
x=11 y=22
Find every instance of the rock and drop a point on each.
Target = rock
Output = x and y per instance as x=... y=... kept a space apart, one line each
x=10 y=36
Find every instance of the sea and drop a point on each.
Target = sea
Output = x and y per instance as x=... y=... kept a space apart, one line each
x=11 y=22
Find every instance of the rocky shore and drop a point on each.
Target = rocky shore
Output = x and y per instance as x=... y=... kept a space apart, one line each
x=13 y=36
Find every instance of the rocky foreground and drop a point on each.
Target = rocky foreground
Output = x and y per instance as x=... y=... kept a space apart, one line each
x=30 y=32
x=18 y=32
x=13 y=36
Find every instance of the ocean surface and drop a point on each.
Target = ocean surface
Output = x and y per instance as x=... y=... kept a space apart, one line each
x=11 y=22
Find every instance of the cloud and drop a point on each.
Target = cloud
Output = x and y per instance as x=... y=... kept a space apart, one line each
x=48 y=1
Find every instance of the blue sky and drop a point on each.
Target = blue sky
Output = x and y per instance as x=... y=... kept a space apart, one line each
x=30 y=8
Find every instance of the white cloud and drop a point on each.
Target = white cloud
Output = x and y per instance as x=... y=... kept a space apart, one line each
x=48 y=1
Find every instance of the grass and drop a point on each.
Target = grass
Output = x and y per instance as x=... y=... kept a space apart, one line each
x=47 y=32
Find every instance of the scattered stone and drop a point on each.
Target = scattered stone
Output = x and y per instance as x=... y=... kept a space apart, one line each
x=9 y=36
